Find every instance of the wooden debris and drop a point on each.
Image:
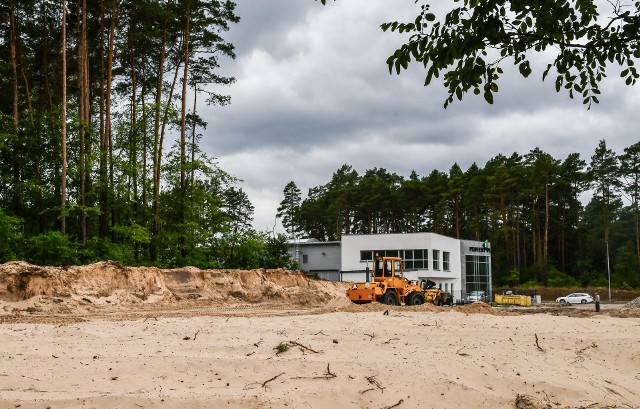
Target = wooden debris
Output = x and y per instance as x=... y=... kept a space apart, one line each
x=394 y=406
x=263 y=384
x=304 y=347
x=537 y=344
x=373 y=381
x=461 y=353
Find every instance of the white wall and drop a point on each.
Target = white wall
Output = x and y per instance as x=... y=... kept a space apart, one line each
x=353 y=268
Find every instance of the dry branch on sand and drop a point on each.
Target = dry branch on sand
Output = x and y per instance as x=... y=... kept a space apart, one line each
x=263 y=384
x=327 y=375
x=538 y=345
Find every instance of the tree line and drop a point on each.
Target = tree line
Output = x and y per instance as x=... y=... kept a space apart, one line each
x=550 y=221
x=100 y=137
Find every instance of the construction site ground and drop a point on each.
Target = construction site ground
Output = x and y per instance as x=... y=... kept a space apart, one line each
x=105 y=336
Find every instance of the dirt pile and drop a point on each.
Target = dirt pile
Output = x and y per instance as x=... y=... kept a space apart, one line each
x=109 y=285
x=633 y=304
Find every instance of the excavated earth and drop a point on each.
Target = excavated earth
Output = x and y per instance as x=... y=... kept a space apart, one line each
x=107 y=290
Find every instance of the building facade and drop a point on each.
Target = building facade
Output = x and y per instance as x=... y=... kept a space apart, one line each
x=318 y=257
x=456 y=266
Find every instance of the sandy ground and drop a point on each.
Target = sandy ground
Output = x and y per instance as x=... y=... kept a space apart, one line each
x=323 y=354
x=404 y=358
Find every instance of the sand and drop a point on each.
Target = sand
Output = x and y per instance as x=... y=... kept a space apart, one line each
x=72 y=338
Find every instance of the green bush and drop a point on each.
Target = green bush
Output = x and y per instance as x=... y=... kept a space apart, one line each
x=11 y=241
x=53 y=249
x=557 y=278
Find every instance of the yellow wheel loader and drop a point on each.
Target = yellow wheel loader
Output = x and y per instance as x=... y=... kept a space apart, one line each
x=389 y=286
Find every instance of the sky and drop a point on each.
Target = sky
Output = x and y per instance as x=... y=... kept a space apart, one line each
x=313 y=92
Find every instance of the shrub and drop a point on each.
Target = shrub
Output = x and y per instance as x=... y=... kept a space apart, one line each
x=53 y=249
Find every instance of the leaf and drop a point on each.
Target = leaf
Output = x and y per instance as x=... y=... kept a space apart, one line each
x=488 y=96
x=529 y=22
x=558 y=83
x=544 y=74
x=429 y=16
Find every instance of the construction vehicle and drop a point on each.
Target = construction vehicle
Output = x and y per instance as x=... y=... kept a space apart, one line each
x=389 y=286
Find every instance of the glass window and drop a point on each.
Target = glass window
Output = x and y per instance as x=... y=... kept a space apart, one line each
x=446 y=256
x=305 y=258
x=392 y=253
x=415 y=259
x=478 y=273
x=436 y=259
x=366 y=255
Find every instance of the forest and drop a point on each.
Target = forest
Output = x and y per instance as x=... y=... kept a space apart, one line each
x=551 y=222
x=100 y=159
x=100 y=136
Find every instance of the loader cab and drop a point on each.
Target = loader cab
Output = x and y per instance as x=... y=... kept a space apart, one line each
x=386 y=268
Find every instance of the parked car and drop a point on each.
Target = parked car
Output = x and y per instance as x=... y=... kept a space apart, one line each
x=576 y=298
x=478 y=296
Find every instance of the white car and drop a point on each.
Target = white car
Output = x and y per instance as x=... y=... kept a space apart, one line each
x=576 y=298
x=478 y=296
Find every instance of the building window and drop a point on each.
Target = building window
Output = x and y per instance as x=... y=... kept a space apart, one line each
x=366 y=255
x=305 y=258
x=478 y=273
x=416 y=259
x=446 y=256
x=436 y=259
x=446 y=287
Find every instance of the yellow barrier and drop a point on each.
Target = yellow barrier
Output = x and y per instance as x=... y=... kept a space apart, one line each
x=523 y=300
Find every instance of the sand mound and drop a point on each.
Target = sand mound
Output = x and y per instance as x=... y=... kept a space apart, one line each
x=80 y=289
x=633 y=304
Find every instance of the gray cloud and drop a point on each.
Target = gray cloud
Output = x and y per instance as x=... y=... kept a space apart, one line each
x=313 y=92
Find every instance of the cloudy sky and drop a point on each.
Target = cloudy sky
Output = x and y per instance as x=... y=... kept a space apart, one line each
x=313 y=92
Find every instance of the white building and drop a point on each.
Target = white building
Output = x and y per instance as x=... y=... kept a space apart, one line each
x=456 y=266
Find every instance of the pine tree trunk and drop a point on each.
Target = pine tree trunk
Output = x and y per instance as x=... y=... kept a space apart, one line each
x=83 y=112
x=157 y=150
x=14 y=71
x=63 y=189
x=545 y=254
x=183 y=179
x=105 y=151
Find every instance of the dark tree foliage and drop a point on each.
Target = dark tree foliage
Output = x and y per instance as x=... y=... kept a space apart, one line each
x=127 y=195
x=471 y=43
x=530 y=207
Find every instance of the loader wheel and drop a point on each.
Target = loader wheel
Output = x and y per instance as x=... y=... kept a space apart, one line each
x=390 y=298
x=415 y=299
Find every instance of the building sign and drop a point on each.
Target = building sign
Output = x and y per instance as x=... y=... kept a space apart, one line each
x=484 y=249
x=480 y=249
